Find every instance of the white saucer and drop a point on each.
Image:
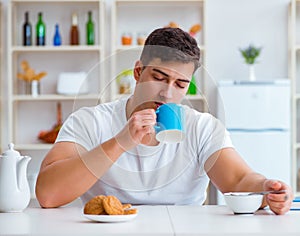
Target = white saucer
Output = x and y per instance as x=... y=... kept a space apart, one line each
x=110 y=218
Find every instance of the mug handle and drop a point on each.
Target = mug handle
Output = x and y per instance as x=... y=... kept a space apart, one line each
x=157 y=127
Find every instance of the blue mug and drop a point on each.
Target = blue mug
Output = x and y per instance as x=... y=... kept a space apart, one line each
x=170 y=123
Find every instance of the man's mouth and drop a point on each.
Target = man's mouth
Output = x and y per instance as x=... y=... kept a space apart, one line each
x=158 y=104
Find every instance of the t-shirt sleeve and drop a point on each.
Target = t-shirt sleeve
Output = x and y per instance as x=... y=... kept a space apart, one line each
x=217 y=137
x=78 y=128
x=213 y=137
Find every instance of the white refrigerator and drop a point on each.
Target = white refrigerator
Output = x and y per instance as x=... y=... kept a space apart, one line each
x=258 y=116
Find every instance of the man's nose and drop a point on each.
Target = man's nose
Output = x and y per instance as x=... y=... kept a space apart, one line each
x=166 y=92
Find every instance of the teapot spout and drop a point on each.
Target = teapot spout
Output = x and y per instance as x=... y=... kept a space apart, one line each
x=22 y=173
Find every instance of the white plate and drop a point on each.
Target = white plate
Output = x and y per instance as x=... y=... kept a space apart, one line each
x=110 y=218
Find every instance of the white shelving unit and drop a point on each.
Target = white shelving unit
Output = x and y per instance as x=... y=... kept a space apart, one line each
x=152 y=14
x=294 y=71
x=28 y=115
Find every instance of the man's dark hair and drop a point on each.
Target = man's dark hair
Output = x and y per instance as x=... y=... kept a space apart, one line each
x=171 y=44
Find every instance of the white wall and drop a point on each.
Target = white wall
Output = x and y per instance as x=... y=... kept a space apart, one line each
x=232 y=24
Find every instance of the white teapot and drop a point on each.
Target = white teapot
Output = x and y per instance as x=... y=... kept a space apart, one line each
x=14 y=187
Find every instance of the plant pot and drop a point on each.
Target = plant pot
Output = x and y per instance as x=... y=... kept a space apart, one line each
x=32 y=88
x=252 y=76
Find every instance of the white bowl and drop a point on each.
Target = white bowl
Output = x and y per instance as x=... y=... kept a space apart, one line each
x=242 y=203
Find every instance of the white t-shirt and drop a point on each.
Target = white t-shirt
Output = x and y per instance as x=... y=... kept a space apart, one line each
x=163 y=174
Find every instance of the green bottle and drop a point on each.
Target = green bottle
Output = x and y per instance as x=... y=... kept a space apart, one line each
x=193 y=87
x=40 y=31
x=90 y=32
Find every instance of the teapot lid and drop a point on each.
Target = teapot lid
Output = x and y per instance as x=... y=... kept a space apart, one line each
x=11 y=151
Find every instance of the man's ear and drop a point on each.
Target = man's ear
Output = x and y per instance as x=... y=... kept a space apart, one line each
x=137 y=70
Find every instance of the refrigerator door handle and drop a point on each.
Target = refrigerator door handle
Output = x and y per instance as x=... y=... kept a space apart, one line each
x=258 y=130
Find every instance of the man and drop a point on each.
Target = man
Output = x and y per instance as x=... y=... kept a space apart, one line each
x=111 y=149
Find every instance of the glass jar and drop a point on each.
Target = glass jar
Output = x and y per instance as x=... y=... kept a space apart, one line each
x=141 y=38
x=126 y=38
x=126 y=81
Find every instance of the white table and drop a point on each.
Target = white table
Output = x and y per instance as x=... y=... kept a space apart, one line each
x=151 y=220
x=219 y=220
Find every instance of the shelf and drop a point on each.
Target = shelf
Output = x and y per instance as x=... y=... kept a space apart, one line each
x=129 y=47
x=158 y=1
x=37 y=146
x=140 y=47
x=63 y=48
x=297 y=48
x=153 y=1
x=297 y=96
x=188 y=97
x=49 y=1
x=297 y=146
x=195 y=97
x=54 y=97
x=202 y=47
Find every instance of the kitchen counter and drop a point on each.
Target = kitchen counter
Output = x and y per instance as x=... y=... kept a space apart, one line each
x=151 y=220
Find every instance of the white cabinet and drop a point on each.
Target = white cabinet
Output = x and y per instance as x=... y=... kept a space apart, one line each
x=294 y=70
x=141 y=17
x=1 y=75
x=27 y=114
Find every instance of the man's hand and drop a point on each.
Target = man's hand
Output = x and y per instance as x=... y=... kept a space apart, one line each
x=140 y=124
x=278 y=203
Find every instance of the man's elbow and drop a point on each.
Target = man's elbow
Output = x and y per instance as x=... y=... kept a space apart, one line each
x=45 y=200
x=46 y=197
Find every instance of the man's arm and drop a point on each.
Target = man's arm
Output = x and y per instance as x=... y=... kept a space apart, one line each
x=69 y=170
x=230 y=173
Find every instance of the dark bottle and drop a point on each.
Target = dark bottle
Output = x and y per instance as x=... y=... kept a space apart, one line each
x=74 y=34
x=57 y=37
x=27 y=31
x=40 y=31
x=90 y=32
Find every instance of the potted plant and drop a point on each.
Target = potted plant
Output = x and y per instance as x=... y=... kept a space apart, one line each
x=31 y=78
x=250 y=55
